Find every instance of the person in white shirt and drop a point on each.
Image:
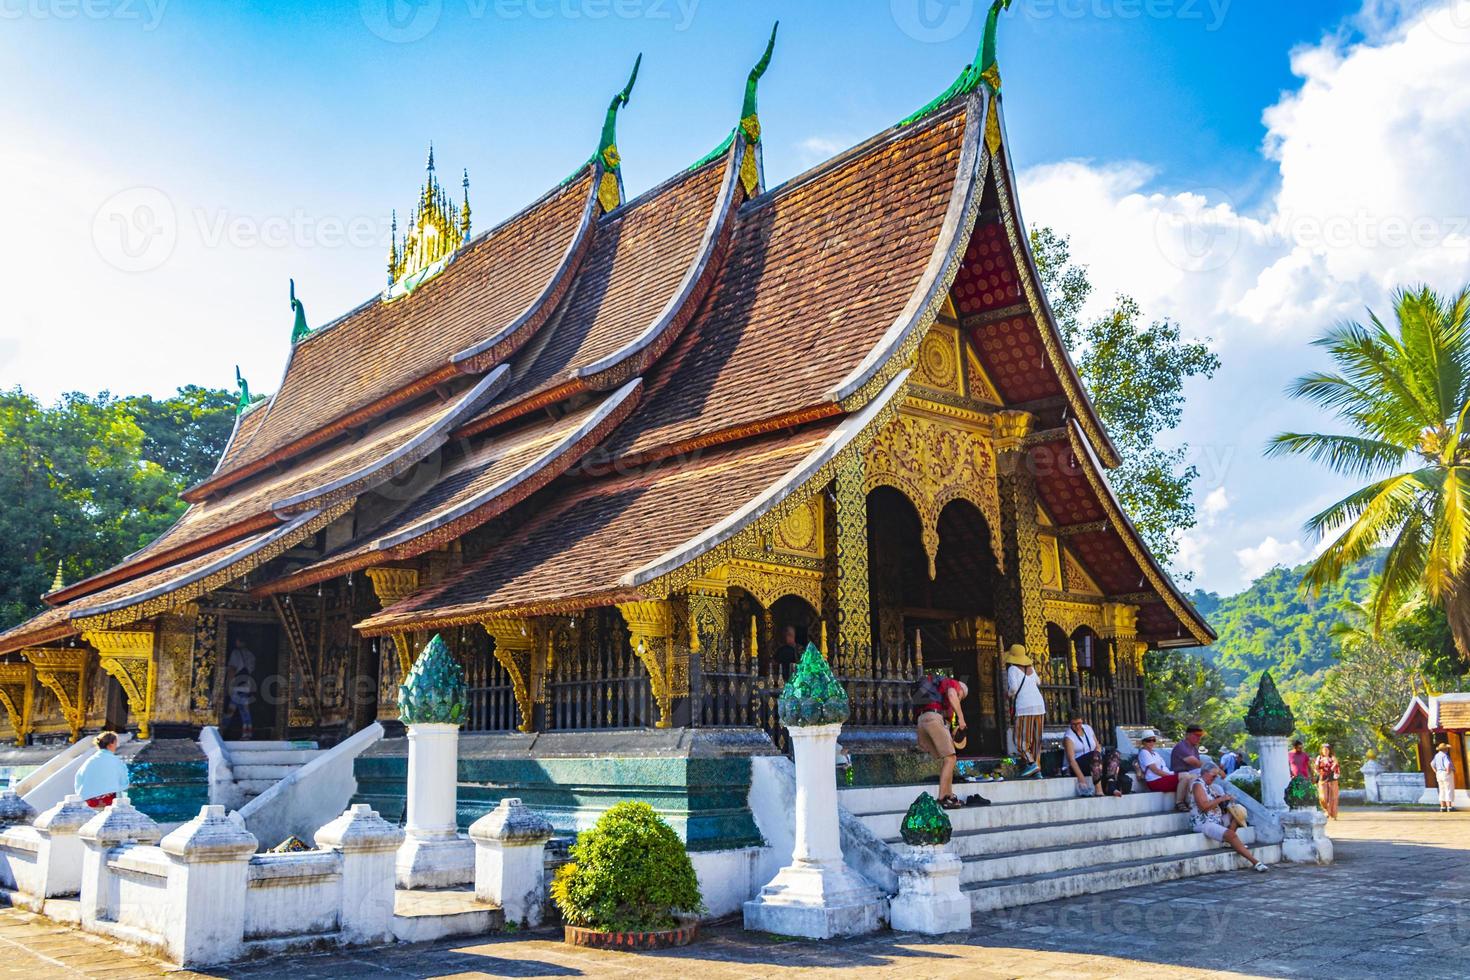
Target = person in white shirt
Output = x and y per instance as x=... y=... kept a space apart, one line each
x=1156 y=773
x=1028 y=708
x=1084 y=756
x=1444 y=774
x=240 y=686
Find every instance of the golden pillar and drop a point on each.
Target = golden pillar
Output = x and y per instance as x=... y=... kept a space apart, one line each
x=651 y=628
x=128 y=656
x=1020 y=617
x=175 y=667
x=850 y=533
x=516 y=649
x=390 y=584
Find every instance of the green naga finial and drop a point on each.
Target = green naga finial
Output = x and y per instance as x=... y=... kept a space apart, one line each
x=750 y=113
x=244 y=387
x=1268 y=713
x=988 y=69
x=434 y=691
x=926 y=825
x=750 y=124
x=985 y=68
x=812 y=696
x=610 y=192
x=299 y=330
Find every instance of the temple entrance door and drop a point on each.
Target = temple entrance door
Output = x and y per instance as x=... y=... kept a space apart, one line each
x=115 y=707
x=942 y=616
x=256 y=646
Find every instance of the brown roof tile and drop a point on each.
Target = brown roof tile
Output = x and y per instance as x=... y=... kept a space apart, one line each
x=818 y=273
x=582 y=538
x=640 y=257
x=380 y=348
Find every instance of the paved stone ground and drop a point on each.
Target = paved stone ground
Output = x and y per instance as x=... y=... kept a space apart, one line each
x=1397 y=903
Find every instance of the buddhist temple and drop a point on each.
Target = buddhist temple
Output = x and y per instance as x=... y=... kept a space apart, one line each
x=611 y=449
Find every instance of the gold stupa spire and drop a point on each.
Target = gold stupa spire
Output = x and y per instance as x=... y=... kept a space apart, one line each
x=437 y=227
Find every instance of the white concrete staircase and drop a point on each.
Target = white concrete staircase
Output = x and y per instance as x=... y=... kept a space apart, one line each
x=257 y=766
x=1037 y=841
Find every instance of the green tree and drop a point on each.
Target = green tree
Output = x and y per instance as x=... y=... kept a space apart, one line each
x=80 y=487
x=187 y=433
x=1404 y=395
x=1135 y=372
x=1182 y=690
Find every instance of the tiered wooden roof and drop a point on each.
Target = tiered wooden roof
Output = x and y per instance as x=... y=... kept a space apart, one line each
x=613 y=396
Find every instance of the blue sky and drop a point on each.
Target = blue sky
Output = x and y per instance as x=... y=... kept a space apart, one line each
x=271 y=140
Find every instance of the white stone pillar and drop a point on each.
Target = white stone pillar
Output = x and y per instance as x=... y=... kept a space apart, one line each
x=368 y=846
x=59 y=857
x=817 y=896
x=209 y=864
x=433 y=854
x=929 y=899
x=1275 y=771
x=115 y=827
x=431 y=702
x=510 y=861
x=14 y=811
x=1371 y=769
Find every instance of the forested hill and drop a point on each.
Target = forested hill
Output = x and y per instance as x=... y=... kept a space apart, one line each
x=1274 y=624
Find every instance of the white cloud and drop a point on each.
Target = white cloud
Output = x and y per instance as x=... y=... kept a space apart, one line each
x=818 y=149
x=1216 y=503
x=1369 y=151
x=1257 y=561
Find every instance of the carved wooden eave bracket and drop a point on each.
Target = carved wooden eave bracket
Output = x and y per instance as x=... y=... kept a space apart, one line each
x=390 y=584
x=516 y=642
x=17 y=694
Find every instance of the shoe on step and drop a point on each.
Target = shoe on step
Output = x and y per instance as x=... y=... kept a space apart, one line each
x=975 y=799
x=1031 y=770
x=1262 y=866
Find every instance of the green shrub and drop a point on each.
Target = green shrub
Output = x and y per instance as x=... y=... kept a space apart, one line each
x=629 y=873
x=1301 y=793
x=1250 y=787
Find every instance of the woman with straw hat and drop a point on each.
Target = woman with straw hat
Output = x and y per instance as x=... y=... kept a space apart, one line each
x=1028 y=707
x=1444 y=774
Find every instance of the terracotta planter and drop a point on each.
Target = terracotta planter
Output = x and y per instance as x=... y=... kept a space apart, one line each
x=682 y=935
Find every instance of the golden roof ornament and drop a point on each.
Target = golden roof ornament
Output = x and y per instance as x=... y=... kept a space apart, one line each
x=436 y=230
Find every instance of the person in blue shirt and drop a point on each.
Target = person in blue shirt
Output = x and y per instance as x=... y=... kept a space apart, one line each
x=103 y=775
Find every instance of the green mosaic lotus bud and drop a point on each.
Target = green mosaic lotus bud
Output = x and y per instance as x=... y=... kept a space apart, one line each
x=1268 y=713
x=926 y=823
x=812 y=696
x=433 y=693
x=1300 y=792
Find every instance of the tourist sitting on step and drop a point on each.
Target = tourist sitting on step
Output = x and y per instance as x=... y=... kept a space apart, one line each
x=1210 y=812
x=103 y=775
x=1186 y=760
x=1115 y=782
x=1084 y=756
x=940 y=700
x=1028 y=708
x=1157 y=775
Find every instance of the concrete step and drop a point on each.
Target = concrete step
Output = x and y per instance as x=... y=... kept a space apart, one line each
x=254 y=787
x=1009 y=893
x=881 y=799
x=1006 y=815
x=254 y=745
x=250 y=772
x=1051 y=860
x=1012 y=840
x=274 y=757
x=424 y=915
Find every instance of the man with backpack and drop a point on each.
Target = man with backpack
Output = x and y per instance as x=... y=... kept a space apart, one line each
x=939 y=700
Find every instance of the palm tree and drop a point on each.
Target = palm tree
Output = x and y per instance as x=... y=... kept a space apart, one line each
x=1405 y=396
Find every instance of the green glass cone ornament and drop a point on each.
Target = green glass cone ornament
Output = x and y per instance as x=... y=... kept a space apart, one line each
x=433 y=693
x=1300 y=793
x=1268 y=713
x=926 y=823
x=812 y=696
